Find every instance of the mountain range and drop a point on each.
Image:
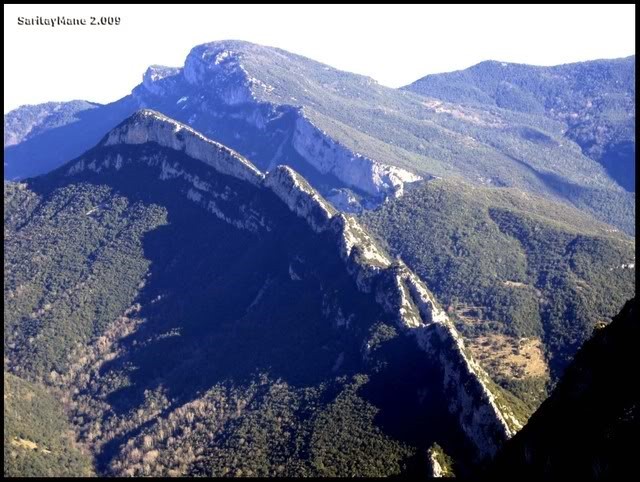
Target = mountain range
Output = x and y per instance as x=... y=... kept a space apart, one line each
x=256 y=264
x=357 y=141
x=595 y=100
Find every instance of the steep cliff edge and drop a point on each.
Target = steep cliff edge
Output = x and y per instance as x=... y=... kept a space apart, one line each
x=484 y=417
x=588 y=428
x=300 y=197
x=150 y=126
x=180 y=145
x=219 y=69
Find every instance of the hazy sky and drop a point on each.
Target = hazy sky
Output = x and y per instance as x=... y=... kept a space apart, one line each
x=393 y=44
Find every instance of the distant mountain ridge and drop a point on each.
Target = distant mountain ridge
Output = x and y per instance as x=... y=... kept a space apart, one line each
x=595 y=99
x=357 y=142
x=27 y=120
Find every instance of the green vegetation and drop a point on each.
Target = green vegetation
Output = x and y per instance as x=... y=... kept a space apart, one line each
x=28 y=120
x=179 y=348
x=512 y=142
x=506 y=262
x=445 y=463
x=244 y=369
x=38 y=441
x=34 y=124
x=530 y=391
x=587 y=428
x=73 y=263
x=346 y=441
x=596 y=101
x=184 y=342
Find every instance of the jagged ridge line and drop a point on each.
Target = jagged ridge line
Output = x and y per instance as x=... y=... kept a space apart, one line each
x=429 y=314
x=195 y=144
x=214 y=58
x=355 y=244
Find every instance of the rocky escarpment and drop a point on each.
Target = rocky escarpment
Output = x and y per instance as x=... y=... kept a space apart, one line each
x=215 y=83
x=439 y=464
x=186 y=156
x=484 y=418
x=221 y=70
x=301 y=198
x=353 y=168
x=160 y=80
x=150 y=126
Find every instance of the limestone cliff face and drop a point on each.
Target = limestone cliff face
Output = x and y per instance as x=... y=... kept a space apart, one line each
x=436 y=468
x=150 y=126
x=229 y=202
x=300 y=197
x=216 y=71
x=221 y=71
x=354 y=169
x=225 y=91
x=160 y=80
x=486 y=421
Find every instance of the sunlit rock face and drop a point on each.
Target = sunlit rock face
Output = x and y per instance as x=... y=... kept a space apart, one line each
x=354 y=169
x=407 y=299
x=151 y=126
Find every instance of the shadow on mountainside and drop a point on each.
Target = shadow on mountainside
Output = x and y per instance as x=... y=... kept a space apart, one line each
x=49 y=149
x=222 y=306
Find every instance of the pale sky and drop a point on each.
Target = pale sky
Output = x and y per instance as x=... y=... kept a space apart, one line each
x=393 y=44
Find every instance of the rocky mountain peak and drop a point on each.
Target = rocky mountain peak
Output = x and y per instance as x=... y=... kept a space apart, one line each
x=217 y=66
x=157 y=78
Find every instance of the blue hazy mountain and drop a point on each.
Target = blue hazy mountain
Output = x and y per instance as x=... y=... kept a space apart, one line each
x=356 y=141
x=594 y=100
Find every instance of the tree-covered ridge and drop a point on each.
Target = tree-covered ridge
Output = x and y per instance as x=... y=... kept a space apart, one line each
x=38 y=440
x=506 y=262
x=595 y=100
x=64 y=286
x=39 y=138
x=28 y=120
x=229 y=352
